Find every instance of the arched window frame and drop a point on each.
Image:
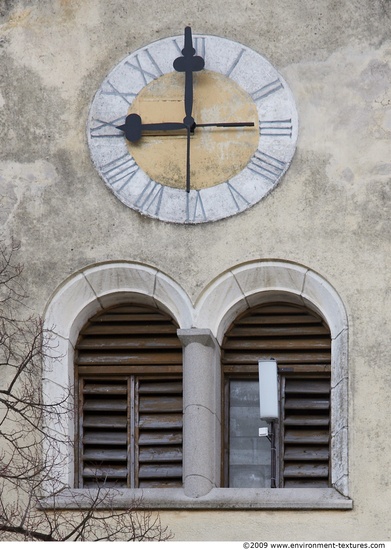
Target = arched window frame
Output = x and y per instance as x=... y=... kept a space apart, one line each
x=73 y=304
x=257 y=283
x=202 y=329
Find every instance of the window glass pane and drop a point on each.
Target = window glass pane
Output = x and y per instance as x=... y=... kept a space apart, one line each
x=249 y=454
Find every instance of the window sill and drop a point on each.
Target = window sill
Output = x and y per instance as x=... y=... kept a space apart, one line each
x=218 y=499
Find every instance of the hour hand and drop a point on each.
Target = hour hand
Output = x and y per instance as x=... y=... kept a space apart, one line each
x=134 y=128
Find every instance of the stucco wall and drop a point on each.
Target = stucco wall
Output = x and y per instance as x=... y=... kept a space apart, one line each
x=331 y=212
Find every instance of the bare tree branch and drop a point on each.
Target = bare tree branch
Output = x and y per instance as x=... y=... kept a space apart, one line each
x=30 y=453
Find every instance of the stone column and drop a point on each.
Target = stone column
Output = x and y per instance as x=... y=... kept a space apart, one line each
x=202 y=411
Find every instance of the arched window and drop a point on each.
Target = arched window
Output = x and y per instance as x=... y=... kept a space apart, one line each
x=132 y=400
x=128 y=380
x=298 y=452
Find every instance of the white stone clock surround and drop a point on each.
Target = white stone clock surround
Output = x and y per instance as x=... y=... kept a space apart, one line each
x=278 y=127
x=202 y=328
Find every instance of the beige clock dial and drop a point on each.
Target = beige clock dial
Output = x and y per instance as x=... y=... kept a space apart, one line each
x=217 y=154
x=231 y=168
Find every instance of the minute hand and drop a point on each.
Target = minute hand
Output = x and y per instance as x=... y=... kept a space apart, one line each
x=188 y=63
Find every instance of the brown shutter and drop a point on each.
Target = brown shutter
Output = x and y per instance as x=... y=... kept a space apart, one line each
x=300 y=342
x=126 y=338
x=160 y=412
x=305 y=426
x=104 y=432
x=128 y=371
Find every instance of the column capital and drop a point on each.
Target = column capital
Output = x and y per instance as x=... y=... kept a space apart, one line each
x=203 y=336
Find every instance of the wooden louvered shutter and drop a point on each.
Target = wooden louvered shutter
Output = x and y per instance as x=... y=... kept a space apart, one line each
x=104 y=430
x=301 y=344
x=129 y=378
x=305 y=430
x=159 y=422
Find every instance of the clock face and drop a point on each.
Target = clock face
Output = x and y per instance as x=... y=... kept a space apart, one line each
x=230 y=168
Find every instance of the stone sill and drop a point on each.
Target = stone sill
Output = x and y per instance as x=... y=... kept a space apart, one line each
x=216 y=499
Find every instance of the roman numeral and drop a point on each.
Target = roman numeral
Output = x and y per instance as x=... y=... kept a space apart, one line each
x=100 y=127
x=272 y=128
x=121 y=170
x=150 y=198
x=266 y=166
x=112 y=90
x=145 y=64
x=178 y=46
x=237 y=197
x=199 y=46
x=234 y=64
x=195 y=210
x=267 y=90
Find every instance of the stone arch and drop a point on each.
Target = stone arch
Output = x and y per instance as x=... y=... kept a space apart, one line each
x=79 y=298
x=201 y=329
x=255 y=283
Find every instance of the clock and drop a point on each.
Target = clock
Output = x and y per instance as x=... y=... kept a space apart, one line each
x=192 y=129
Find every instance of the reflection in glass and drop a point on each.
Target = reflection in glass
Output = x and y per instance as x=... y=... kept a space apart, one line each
x=249 y=454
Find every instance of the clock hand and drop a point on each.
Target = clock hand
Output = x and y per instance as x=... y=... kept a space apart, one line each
x=188 y=160
x=191 y=125
x=188 y=63
x=224 y=124
x=133 y=127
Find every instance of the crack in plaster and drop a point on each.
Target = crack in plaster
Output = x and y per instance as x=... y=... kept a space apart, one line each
x=203 y=407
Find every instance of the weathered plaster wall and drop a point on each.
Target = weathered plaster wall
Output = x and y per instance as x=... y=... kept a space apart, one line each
x=331 y=212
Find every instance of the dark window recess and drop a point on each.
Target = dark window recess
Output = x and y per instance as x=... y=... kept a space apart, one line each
x=129 y=379
x=300 y=342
